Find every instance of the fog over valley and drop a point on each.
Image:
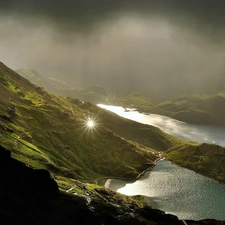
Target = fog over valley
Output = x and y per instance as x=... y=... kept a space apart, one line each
x=159 y=48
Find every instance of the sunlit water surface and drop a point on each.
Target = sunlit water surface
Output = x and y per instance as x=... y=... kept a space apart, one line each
x=199 y=133
x=177 y=191
x=174 y=189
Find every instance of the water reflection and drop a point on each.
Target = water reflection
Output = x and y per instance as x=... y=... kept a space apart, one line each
x=178 y=191
x=173 y=189
x=199 y=133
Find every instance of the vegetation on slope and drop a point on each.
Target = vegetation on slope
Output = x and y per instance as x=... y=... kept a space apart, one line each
x=31 y=196
x=205 y=159
x=133 y=100
x=49 y=131
x=195 y=109
x=94 y=94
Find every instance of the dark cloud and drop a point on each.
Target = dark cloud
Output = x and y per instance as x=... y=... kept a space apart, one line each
x=202 y=15
x=64 y=14
x=153 y=46
x=205 y=17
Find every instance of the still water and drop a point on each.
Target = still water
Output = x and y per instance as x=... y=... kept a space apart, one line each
x=174 y=189
x=199 y=133
x=177 y=191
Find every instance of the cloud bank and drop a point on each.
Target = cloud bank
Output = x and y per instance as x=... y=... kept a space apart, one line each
x=160 y=48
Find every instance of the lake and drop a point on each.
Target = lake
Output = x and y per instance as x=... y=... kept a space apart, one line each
x=199 y=133
x=171 y=188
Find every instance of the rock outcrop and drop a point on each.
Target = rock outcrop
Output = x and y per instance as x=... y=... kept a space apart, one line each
x=31 y=196
x=21 y=188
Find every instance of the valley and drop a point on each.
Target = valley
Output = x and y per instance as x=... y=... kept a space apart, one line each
x=48 y=131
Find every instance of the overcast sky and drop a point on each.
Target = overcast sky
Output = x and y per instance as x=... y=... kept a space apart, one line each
x=151 y=46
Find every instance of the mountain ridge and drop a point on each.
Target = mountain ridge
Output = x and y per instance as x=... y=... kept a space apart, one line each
x=44 y=121
x=49 y=132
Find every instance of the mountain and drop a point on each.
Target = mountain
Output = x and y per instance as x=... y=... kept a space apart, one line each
x=193 y=109
x=36 y=78
x=206 y=159
x=45 y=136
x=53 y=165
x=30 y=196
x=51 y=132
x=133 y=100
x=92 y=93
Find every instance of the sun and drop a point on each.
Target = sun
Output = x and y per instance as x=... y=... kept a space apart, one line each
x=90 y=123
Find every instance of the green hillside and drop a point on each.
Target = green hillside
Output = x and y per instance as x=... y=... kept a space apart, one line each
x=205 y=159
x=133 y=100
x=116 y=147
x=46 y=131
x=94 y=94
x=49 y=131
x=195 y=109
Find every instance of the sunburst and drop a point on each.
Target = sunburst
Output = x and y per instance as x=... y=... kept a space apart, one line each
x=90 y=123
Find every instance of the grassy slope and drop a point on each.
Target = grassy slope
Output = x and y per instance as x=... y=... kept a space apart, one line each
x=133 y=100
x=94 y=94
x=48 y=131
x=192 y=109
x=196 y=109
x=205 y=159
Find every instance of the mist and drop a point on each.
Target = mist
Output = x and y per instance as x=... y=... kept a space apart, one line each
x=159 y=48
